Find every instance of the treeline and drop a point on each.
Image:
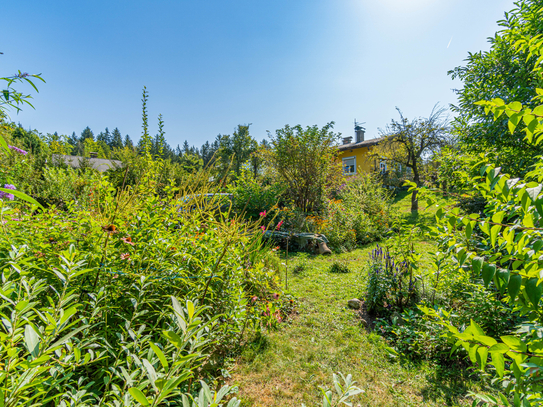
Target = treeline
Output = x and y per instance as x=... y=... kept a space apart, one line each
x=226 y=151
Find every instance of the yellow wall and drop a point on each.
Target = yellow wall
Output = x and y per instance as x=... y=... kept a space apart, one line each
x=363 y=163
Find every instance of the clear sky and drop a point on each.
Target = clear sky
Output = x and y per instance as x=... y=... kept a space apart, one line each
x=212 y=64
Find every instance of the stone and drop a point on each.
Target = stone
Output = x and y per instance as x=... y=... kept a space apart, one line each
x=355 y=303
x=364 y=322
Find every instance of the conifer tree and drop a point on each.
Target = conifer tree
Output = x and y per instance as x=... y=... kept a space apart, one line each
x=116 y=139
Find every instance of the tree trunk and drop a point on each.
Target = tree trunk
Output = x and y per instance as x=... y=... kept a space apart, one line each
x=414 y=197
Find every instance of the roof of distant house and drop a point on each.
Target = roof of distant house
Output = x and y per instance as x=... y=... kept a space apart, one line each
x=360 y=144
x=100 y=164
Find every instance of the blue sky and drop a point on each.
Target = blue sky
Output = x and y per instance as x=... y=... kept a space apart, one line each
x=210 y=65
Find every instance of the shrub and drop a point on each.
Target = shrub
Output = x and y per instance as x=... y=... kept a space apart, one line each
x=339 y=267
x=109 y=270
x=391 y=285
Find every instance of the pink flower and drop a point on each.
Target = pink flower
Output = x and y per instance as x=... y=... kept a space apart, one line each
x=263 y=229
x=125 y=256
x=275 y=296
x=254 y=299
x=263 y=214
x=279 y=225
x=127 y=240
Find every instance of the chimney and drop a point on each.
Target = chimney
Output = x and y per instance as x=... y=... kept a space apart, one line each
x=347 y=140
x=93 y=155
x=359 y=134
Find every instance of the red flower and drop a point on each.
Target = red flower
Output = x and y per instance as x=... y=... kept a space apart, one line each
x=263 y=214
x=279 y=225
x=263 y=228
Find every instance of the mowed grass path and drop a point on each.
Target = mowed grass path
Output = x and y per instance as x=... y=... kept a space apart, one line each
x=287 y=367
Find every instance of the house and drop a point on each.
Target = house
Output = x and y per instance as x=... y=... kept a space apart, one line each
x=355 y=156
x=99 y=164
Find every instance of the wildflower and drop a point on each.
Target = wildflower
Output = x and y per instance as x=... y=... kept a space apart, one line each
x=279 y=225
x=254 y=299
x=263 y=229
x=275 y=296
x=277 y=315
x=23 y=152
x=263 y=214
x=125 y=256
x=7 y=195
x=109 y=228
x=128 y=240
x=275 y=249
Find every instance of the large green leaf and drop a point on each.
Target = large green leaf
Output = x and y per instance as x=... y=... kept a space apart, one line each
x=477 y=264
x=498 y=361
x=32 y=340
x=139 y=396
x=533 y=291
x=488 y=273
x=22 y=196
x=513 y=287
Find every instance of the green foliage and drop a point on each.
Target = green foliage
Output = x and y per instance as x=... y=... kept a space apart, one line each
x=410 y=142
x=504 y=72
x=303 y=160
x=339 y=267
x=252 y=196
x=361 y=214
x=344 y=390
x=391 y=283
x=501 y=249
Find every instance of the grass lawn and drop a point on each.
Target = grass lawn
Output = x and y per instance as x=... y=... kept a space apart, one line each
x=287 y=367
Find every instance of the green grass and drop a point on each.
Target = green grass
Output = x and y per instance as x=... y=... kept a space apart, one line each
x=286 y=367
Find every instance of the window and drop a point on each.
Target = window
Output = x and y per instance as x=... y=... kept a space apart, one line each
x=349 y=165
x=383 y=167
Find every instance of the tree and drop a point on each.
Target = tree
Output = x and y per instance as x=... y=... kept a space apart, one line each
x=235 y=150
x=410 y=142
x=304 y=160
x=128 y=142
x=87 y=133
x=104 y=137
x=506 y=73
x=116 y=139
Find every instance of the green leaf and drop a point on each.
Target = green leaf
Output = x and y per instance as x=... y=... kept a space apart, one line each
x=139 y=396
x=482 y=357
x=513 y=287
x=494 y=234
x=160 y=355
x=32 y=340
x=477 y=264
x=22 y=196
x=498 y=217
x=533 y=193
x=488 y=273
x=4 y=145
x=514 y=343
x=528 y=220
x=533 y=291
x=498 y=361
x=499 y=348
x=173 y=338
x=469 y=229
x=190 y=309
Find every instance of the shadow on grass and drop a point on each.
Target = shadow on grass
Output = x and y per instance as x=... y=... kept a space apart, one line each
x=254 y=347
x=449 y=384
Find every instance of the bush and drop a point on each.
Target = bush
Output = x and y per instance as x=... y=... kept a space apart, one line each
x=339 y=267
x=104 y=275
x=252 y=196
x=391 y=285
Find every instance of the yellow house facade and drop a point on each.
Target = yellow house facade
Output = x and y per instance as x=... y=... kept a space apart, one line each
x=355 y=156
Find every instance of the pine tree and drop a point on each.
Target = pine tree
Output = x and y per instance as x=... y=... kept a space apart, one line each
x=116 y=139
x=128 y=142
x=87 y=133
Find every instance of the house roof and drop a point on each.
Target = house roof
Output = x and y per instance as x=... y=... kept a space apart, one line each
x=365 y=143
x=100 y=164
